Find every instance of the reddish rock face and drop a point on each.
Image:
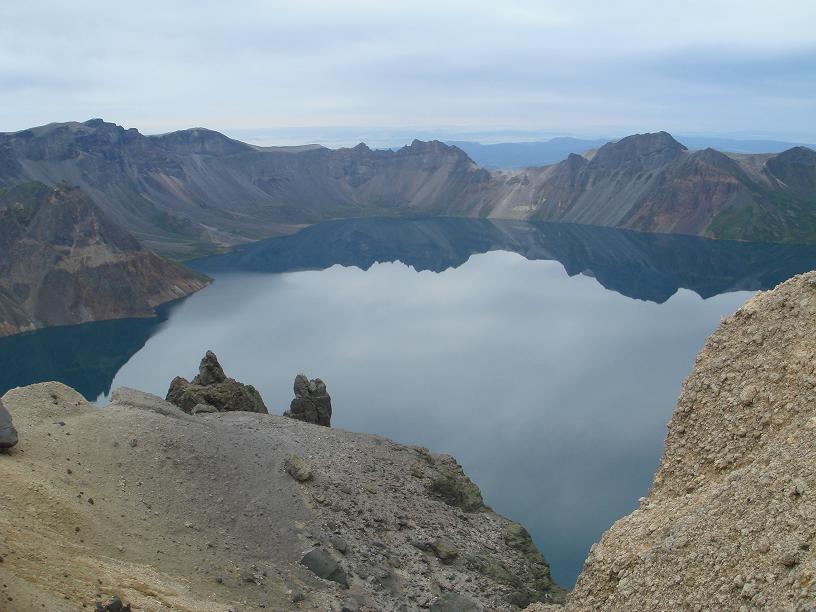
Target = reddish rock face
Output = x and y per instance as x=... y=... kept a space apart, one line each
x=63 y=261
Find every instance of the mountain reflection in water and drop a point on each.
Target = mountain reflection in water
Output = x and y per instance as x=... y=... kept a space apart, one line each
x=552 y=391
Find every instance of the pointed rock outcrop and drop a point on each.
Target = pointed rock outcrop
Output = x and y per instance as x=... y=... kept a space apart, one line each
x=312 y=402
x=211 y=387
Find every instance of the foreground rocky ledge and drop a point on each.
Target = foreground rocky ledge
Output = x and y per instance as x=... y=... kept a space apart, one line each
x=239 y=510
x=730 y=521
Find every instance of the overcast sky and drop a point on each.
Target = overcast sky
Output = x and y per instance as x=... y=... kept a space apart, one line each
x=355 y=68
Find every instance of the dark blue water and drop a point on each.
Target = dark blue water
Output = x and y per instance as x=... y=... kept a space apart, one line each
x=546 y=358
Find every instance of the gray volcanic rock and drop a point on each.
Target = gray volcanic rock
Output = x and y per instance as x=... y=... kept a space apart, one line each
x=312 y=402
x=453 y=602
x=210 y=371
x=211 y=387
x=8 y=435
x=322 y=564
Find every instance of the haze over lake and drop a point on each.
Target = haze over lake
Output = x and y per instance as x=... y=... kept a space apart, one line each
x=552 y=390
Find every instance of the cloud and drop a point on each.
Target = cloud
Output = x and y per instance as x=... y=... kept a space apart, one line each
x=569 y=67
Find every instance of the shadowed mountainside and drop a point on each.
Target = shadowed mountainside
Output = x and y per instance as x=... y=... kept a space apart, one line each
x=639 y=265
x=196 y=191
x=62 y=261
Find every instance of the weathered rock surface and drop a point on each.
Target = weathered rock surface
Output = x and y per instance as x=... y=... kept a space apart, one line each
x=730 y=521
x=8 y=435
x=63 y=261
x=312 y=403
x=211 y=390
x=200 y=514
x=198 y=190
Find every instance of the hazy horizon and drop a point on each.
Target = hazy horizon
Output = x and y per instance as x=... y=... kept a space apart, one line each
x=515 y=70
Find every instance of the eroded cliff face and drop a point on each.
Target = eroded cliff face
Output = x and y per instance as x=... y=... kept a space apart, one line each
x=62 y=261
x=196 y=191
x=730 y=520
x=651 y=183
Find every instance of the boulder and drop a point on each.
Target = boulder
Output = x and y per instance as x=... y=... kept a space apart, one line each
x=322 y=565
x=312 y=402
x=211 y=387
x=8 y=435
x=453 y=602
x=298 y=469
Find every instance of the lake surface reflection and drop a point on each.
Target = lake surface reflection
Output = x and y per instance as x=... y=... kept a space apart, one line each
x=551 y=390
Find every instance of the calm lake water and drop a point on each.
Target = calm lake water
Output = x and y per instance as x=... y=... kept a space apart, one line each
x=546 y=358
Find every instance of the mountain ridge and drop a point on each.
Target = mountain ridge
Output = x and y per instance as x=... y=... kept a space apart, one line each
x=195 y=192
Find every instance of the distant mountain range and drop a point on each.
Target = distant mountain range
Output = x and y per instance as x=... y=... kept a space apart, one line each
x=517 y=155
x=62 y=261
x=196 y=191
x=83 y=204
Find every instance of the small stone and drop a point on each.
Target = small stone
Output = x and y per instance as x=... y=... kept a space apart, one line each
x=298 y=469
x=339 y=544
x=789 y=559
x=114 y=605
x=322 y=565
x=297 y=595
x=203 y=409
x=350 y=605
x=799 y=486
x=453 y=602
x=444 y=551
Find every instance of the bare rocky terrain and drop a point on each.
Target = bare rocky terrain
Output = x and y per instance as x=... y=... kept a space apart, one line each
x=242 y=511
x=730 y=521
x=196 y=191
x=62 y=262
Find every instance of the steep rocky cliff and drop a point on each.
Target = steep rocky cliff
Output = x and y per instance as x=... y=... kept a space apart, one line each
x=730 y=520
x=650 y=182
x=197 y=191
x=62 y=261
